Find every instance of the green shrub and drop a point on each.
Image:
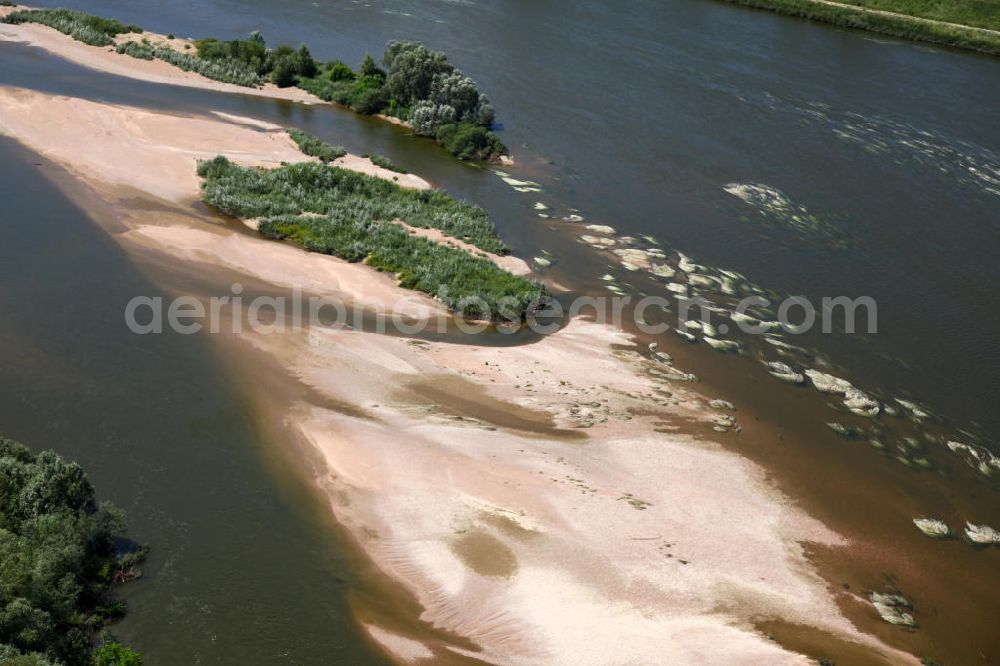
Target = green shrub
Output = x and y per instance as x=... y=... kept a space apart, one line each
x=81 y=26
x=369 y=102
x=283 y=72
x=470 y=142
x=385 y=163
x=227 y=70
x=315 y=147
x=339 y=71
x=116 y=654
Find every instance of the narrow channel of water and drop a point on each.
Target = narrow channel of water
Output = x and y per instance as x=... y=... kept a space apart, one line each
x=244 y=567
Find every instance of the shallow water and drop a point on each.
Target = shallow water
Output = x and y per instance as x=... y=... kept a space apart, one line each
x=640 y=119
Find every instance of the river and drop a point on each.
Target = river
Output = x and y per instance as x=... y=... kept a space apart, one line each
x=636 y=116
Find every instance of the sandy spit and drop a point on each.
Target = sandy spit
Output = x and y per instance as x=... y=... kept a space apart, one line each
x=539 y=500
x=106 y=59
x=151 y=151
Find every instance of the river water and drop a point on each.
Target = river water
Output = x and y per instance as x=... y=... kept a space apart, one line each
x=638 y=116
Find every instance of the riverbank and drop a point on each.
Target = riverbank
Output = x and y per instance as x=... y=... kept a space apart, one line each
x=541 y=506
x=880 y=21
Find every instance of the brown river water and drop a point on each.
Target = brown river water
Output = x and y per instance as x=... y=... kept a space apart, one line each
x=632 y=118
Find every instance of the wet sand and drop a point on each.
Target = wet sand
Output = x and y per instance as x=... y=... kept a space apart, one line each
x=631 y=542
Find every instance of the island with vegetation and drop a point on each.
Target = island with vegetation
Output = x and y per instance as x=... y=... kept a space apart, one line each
x=413 y=84
x=61 y=553
x=358 y=217
x=965 y=24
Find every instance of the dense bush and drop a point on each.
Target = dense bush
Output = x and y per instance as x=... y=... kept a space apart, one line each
x=364 y=92
x=426 y=117
x=421 y=87
x=81 y=26
x=352 y=216
x=252 y=52
x=116 y=654
x=227 y=70
x=385 y=163
x=339 y=71
x=57 y=560
x=286 y=65
x=314 y=188
x=470 y=142
x=315 y=147
x=410 y=70
x=424 y=80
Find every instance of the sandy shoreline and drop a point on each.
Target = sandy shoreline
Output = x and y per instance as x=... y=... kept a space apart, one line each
x=106 y=59
x=539 y=500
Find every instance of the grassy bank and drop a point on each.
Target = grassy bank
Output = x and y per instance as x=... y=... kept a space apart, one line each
x=353 y=216
x=981 y=14
x=60 y=555
x=412 y=83
x=975 y=13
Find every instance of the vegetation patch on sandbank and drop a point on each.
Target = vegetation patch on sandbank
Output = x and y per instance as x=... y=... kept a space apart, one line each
x=316 y=147
x=353 y=216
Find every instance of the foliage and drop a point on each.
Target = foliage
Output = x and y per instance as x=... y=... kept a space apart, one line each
x=314 y=188
x=283 y=72
x=286 y=65
x=116 y=654
x=57 y=558
x=411 y=68
x=227 y=70
x=903 y=27
x=315 y=147
x=339 y=71
x=417 y=85
x=251 y=52
x=364 y=92
x=470 y=142
x=385 y=163
x=81 y=26
x=353 y=216
x=426 y=117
